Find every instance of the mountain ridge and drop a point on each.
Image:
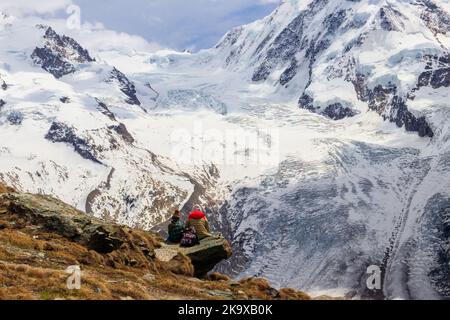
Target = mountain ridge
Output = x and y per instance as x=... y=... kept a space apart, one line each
x=330 y=36
x=346 y=188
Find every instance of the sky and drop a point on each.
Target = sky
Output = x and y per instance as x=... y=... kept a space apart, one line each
x=164 y=24
x=176 y=24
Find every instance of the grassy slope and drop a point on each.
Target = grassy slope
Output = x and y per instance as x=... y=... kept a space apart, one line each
x=33 y=261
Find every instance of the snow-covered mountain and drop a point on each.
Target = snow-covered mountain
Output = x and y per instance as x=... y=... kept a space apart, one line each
x=64 y=132
x=381 y=52
x=366 y=201
x=346 y=101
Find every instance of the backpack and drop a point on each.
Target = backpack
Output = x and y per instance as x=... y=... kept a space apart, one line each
x=189 y=238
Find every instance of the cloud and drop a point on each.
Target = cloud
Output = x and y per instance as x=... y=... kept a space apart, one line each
x=21 y=8
x=178 y=24
x=93 y=36
x=99 y=39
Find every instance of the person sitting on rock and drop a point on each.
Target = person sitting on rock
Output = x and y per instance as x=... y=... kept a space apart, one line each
x=198 y=220
x=176 y=228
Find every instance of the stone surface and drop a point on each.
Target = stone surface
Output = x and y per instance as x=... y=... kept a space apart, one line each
x=208 y=254
x=125 y=85
x=204 y=256
x=65 y=221
x=60 y=54
x=60 y=132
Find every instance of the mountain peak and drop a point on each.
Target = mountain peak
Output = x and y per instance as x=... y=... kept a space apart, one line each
x=329 y=41
x=59 y=55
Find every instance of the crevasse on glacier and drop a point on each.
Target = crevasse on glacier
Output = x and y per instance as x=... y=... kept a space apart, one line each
x=356 y=90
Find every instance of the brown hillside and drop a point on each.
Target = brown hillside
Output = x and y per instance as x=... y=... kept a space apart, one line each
x=40 y=237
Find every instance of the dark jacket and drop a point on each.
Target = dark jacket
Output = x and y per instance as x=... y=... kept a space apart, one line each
x=197 y=219
x=176 y=229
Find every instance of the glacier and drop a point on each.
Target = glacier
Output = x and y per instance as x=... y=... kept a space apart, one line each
x=350 y=96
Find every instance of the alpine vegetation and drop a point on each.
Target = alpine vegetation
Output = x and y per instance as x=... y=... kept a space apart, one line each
x=315 y=140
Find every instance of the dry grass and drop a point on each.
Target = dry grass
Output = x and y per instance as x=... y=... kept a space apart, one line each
x=5 y=189
x=216 y=276
x=33 y=263
x=175 y=286
x=291 y=294
x=180 y=264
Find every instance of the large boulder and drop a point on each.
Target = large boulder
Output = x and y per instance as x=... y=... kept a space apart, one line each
x=64 y=220
x=104 y=238
x=204 y=256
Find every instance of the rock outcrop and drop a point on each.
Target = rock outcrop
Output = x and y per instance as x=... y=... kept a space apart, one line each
x=40 y=237
x=204 y=256
x=65 y=221
x=125 y=85
x=208 y=254
x=60 y=54
x=105 y=238
x=15 y=118
x=60 y=132
x=334 y=111
x=3 y=84
x=386 y=101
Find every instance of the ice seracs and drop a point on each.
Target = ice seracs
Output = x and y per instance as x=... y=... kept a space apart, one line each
x=314 y=82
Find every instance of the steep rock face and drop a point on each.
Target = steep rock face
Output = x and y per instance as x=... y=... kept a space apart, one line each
x=391 y=19
x=3 y=84
x=292 y=40
x=307 y=47
x=126 y=86
x=59 y=132
x=437 y=72
x=104 y=109
x=66 y=47
x=59 y=55
x=52 y=63
x=387 y=102
x=122 y=130
x=434 y=16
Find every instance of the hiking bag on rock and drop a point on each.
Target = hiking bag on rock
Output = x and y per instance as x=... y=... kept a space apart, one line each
x=189 y=238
